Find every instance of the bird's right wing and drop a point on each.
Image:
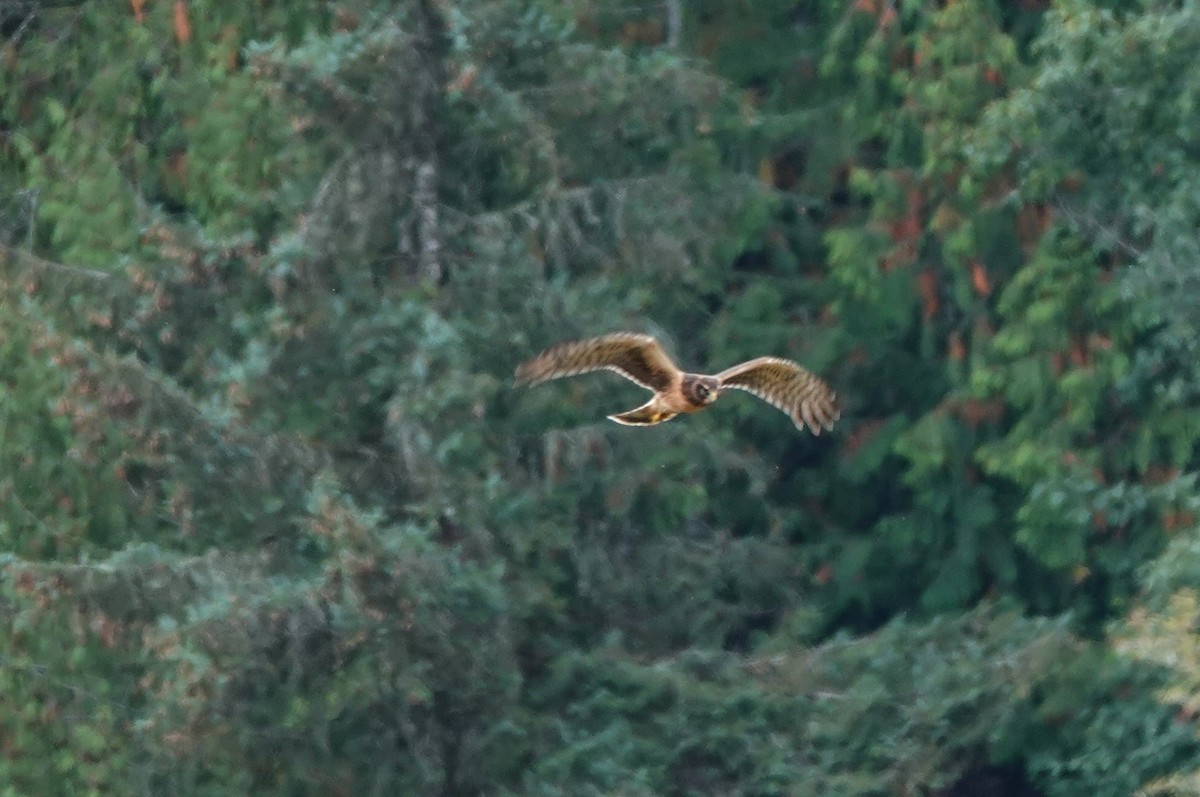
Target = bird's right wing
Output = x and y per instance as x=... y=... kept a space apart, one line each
x=639 y=358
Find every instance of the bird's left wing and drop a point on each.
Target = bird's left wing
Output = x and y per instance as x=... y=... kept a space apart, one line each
x=789 y=386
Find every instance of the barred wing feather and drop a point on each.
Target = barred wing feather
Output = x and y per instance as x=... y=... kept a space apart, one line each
x=789 y=386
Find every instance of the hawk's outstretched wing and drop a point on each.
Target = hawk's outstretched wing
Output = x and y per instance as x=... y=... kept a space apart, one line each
x=636 y=357
x=790 y=387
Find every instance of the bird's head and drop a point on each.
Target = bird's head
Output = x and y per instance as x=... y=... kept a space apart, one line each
x=701 y=390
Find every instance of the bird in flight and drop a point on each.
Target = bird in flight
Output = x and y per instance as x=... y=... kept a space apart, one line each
x=805 y=397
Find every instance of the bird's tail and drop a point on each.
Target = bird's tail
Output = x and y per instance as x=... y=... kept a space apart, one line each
x=648 y=414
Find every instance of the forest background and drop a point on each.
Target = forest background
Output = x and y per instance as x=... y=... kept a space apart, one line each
x=275 y=523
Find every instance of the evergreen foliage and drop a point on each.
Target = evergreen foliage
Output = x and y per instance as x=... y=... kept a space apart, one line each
x=275 y=522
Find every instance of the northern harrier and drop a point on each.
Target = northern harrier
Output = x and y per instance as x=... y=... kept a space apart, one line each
x=806 y=398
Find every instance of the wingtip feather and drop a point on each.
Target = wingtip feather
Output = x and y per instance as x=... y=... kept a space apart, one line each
x=527 y=375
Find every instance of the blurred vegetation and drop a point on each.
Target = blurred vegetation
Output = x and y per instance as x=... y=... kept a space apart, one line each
x=275 y=522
